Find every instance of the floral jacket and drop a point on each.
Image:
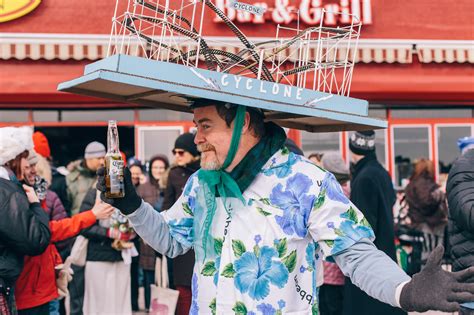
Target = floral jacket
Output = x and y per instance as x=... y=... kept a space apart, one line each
x=265 y=252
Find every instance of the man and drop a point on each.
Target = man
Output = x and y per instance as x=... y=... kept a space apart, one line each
x=79 y=181
x=186 y=162
x=460 y=191
x=83 y=175
x=372 y=192
x=259 y=217
x=136 y=169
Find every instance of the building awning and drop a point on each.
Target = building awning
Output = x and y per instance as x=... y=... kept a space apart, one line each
x=21 y=46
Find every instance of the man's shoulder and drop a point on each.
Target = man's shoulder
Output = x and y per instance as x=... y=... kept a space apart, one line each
x=284 y=165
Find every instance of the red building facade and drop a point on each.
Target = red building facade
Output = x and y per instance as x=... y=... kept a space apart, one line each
x=415 y=66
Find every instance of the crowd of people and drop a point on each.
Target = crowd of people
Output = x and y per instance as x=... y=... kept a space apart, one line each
x=45 y=268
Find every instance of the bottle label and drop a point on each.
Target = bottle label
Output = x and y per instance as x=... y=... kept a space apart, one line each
x=116 y=168
x=116 y=176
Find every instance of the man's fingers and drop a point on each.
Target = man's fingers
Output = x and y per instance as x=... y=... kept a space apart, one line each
x=464 y=287
x=435 y=257
x=450 y=307
x=464 y=274
x=461 y=297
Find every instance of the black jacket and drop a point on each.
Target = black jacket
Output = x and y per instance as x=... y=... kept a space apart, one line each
x=100 y=246
x=182 y=266
x=24 y=230
x=58 y=185
x=460 y=190
x=372 y=193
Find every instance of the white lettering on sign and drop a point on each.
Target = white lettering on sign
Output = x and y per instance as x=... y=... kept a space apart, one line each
x=254 y=9
x=258 y=88
x=286 y=11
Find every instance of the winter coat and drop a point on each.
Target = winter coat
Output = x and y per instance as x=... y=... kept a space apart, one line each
x=427 y=210
x=178 y=175
x=59 y=186
x=99 y=247
x=154 y=196
x=37 y=282
x=372 y=193
x=55 y=210
x=78 y=182
x=24 y=230
x=460 y=191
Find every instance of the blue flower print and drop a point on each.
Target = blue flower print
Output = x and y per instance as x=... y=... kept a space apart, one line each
x=302 y=269
x=194 y=288
x=266 y=309
x=310 y=254
x=281 y=304
x=189 y=185
x=254 y=274
x=217 y=264
x=333 y=189
x=258 y=238
x=349 y=233
x=182 y=230
x=284 y=169
x=295 y=203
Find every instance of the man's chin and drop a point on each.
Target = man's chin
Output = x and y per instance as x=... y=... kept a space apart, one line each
x=210 y=165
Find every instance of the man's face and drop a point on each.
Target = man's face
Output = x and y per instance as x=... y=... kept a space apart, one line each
x=213 y=137
x=182 y=157
x=29 y=173
x=94 y=163
x=137 y=173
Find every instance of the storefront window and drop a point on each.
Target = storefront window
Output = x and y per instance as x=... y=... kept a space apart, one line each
x=96 y=115
x=448 y=150
x=410 y=144
x=320 y=142
x=45 y=115
x=380 y=146
x=149 y=146
x=13 y=116
x=163 y=115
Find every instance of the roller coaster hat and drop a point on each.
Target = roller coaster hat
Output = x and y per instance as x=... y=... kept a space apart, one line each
x=465 y=144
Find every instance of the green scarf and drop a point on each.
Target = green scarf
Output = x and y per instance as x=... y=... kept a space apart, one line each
x=220 y=183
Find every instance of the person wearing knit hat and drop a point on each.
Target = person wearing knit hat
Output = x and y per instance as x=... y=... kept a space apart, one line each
x=24 y=224
x=372 y=192
x=41 y=144
x=185 y=150
x=362 y=142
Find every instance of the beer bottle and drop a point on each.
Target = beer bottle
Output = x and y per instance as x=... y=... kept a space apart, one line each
x=113 y=164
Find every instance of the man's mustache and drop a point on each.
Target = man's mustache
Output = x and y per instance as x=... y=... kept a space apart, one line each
x=205 y=147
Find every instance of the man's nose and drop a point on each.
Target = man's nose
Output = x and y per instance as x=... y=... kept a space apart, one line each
x=199 y=138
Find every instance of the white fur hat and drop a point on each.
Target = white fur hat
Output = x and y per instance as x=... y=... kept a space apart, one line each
x=13 y=141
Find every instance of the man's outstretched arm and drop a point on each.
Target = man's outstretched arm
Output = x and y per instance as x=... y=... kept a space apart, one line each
x=167 y=234
x=431 y=289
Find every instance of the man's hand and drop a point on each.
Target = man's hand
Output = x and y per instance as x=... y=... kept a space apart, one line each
x=31 y=194
x=436 y=289
x=127 y=204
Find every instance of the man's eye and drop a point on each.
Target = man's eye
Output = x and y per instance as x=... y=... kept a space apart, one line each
x=205 y=127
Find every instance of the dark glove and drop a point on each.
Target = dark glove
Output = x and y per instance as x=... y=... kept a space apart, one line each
x=436 y=289
x=130 y=202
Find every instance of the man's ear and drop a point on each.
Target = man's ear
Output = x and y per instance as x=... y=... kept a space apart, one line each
x=246 y=126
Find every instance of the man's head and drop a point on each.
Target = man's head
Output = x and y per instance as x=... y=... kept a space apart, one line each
x=94 y=155
x=215 y=124
x=361 y=144
x=136 y=169
x=29 y=169
x=185 y=150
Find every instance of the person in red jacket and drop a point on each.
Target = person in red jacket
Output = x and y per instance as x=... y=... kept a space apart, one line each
x=36 y=286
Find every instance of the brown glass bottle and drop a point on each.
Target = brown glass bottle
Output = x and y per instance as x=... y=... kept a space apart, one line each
x=114 y=164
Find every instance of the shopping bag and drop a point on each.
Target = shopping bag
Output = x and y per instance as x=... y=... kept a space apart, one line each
x=163 y=299
x=79 y=251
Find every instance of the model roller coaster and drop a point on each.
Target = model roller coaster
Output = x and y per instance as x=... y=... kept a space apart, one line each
x=320 y=58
